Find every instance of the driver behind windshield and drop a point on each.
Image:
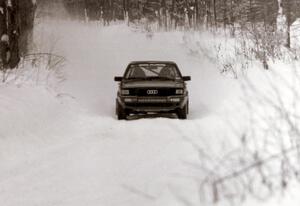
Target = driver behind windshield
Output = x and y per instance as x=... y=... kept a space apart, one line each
x=138 y=72
x=167 y=72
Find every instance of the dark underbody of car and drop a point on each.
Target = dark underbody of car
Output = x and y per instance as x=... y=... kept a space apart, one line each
x=149 y=87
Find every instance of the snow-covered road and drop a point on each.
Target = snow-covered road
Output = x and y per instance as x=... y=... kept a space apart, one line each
x=65 y=151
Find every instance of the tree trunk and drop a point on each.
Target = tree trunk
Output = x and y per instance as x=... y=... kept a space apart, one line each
x=225 y=14
x=215 y=13
x=16 y=24
x=288 y=22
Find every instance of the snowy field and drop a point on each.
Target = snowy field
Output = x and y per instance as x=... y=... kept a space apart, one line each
x=64 y=146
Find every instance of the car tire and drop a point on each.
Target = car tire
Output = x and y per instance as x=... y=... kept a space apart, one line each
x=120 y=111
x=182 y=113
x=188 y=107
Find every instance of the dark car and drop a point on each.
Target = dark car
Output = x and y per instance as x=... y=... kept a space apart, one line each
x=152 y=87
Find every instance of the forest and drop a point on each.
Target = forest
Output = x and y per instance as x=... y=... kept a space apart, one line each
x=258 y=17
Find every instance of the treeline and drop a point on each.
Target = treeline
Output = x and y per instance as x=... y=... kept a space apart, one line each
x=107 y=10
x=16 y=24
x=184 y=12
x=259 y=16
x=255 y=22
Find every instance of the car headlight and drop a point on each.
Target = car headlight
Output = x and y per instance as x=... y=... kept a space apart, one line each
x=179 y=91
x=125 y=92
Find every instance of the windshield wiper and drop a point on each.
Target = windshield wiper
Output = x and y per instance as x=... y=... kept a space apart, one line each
x=150 y=78
x=161 y=78
x=136 y=78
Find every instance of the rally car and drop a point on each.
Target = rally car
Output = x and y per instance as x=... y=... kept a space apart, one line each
x=152 y=87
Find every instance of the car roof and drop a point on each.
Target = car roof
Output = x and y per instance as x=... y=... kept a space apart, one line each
x=152 y=62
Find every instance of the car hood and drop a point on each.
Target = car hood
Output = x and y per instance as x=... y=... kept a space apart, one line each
x=149 y=84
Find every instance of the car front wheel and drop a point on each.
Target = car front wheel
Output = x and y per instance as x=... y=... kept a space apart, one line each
x=182 y=113
x=120 y=111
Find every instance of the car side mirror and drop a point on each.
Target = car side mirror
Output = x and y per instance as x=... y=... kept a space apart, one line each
x=186 y=78
x=118 y=79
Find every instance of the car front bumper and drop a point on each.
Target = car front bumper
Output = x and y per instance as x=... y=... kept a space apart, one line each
x=152 y=104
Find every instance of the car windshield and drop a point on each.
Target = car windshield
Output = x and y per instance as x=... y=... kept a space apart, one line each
x=152 y=71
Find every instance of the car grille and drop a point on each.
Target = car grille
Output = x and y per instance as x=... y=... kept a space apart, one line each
x=152 y=100
x=150 y=105
x=152 y=91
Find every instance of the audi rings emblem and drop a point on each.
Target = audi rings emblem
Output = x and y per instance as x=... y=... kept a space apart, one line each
x=152 y=92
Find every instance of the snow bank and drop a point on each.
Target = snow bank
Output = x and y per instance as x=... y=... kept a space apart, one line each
x=262 y=116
